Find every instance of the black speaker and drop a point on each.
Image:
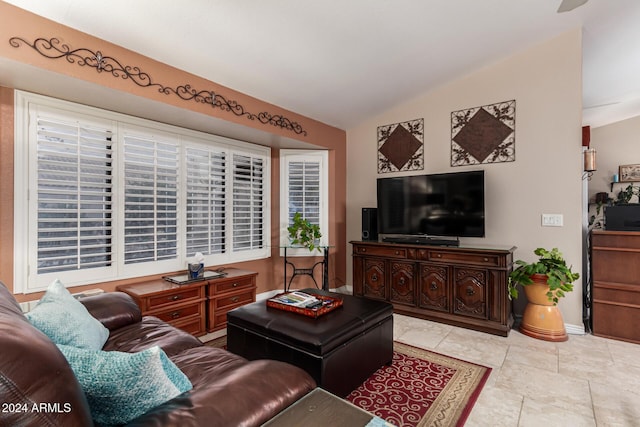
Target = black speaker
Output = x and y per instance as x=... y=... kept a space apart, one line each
x=370 y=224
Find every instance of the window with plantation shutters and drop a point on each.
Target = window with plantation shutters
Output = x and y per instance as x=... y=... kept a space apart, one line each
x=248 y=202
x=74 y=194
x=304 y=190
x=101 y=196
x=150 y=198
x=206 y=200
x=304 y=178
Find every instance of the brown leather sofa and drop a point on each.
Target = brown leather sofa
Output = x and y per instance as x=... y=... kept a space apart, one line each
x=227 y=389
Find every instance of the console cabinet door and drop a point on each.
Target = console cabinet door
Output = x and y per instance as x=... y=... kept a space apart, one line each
x=433 y=288
x=470 y=292
x=402 y=283
x=374 y=279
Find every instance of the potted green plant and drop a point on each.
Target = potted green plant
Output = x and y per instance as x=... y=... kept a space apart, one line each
x=303 y=233
x=625 y=195
x=544 y=282
x=559 y=276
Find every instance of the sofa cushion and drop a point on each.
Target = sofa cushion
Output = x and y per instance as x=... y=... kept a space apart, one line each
x=149 y=332
x=113 y=309
x=66 y=321
x=228 y=390
x=34 y=372
x=122 y=386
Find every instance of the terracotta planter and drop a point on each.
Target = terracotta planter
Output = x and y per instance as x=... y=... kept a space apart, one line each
x=542 y=319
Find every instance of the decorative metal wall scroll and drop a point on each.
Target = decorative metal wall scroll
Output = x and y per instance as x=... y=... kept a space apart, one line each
x=484 y=134
x=84 y=57
x=401 y=146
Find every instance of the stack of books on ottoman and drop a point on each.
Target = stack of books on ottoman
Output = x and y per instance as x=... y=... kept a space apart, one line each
x=311 y=305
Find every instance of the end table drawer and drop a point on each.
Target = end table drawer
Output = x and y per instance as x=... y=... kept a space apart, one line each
x=219 y=308
x=234 y=300
x=219 y=320
x=181 y=312
x=193 y=326
x=174 y=297
x=231 y=285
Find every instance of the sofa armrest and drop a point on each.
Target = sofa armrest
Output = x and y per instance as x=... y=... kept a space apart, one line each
x=113 y=309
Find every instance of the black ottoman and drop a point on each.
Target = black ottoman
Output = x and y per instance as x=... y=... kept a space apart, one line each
x=339 y=349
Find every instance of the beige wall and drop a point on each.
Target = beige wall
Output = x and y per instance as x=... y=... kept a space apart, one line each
x=616 y=144
x=546 y=83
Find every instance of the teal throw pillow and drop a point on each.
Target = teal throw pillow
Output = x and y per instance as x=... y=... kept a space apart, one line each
x=66 y=321
x=122 y=386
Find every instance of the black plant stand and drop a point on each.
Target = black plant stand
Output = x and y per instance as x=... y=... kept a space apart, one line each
x=307 y=271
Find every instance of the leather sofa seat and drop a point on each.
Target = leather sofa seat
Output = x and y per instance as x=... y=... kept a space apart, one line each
x=228 y=390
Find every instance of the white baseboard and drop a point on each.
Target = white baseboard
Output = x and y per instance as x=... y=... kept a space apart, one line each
x=575 y=329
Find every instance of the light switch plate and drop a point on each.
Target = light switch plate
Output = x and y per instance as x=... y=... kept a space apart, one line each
x=552 y=220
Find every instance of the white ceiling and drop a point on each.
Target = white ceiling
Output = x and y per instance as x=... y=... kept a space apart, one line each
x=342 y=61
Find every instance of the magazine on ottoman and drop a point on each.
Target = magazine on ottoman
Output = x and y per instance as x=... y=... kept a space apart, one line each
x=305 y=304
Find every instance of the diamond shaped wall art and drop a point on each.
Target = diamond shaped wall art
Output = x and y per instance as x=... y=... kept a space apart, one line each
x=484 y=134
x=401 y=146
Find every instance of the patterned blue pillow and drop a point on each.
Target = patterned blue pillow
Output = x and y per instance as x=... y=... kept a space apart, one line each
x=122 y=386
x=66 y=321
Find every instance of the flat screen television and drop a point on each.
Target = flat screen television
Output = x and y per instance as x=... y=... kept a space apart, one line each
x=446 y=204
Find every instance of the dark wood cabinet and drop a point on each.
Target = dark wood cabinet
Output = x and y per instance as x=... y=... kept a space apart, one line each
x=462 y=286
x=615 y=263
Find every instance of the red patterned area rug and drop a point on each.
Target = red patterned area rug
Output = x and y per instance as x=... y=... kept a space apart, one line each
x=422 y=388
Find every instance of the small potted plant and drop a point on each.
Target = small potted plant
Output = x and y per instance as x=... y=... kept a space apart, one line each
x=544 y=282
x=303 y=233
x=551 y=264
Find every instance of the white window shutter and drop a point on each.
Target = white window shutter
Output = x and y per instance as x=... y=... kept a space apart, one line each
x=151 y=168
x=206 y=200
x=101 y=196
x=74 y=195
x=249 y=202
x=304 y=190
x=304 y=178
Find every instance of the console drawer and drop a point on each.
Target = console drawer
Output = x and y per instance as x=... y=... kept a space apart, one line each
x=385 y=251
x=461 y=258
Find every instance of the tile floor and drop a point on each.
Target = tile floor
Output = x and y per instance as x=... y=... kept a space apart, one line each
x=585 y=381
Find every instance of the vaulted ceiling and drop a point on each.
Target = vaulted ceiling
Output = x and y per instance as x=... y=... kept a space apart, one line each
x=342 y=61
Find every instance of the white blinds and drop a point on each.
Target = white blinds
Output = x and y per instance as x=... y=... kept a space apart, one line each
x=304 y=189
x=101 y=196
x=151 y=198
x=248 y=202
x=206 y=193
x=74 y=195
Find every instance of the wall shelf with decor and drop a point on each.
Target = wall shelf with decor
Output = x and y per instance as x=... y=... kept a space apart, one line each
x=613 y=183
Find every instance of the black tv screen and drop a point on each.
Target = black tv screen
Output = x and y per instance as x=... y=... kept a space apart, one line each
x=447 y=204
